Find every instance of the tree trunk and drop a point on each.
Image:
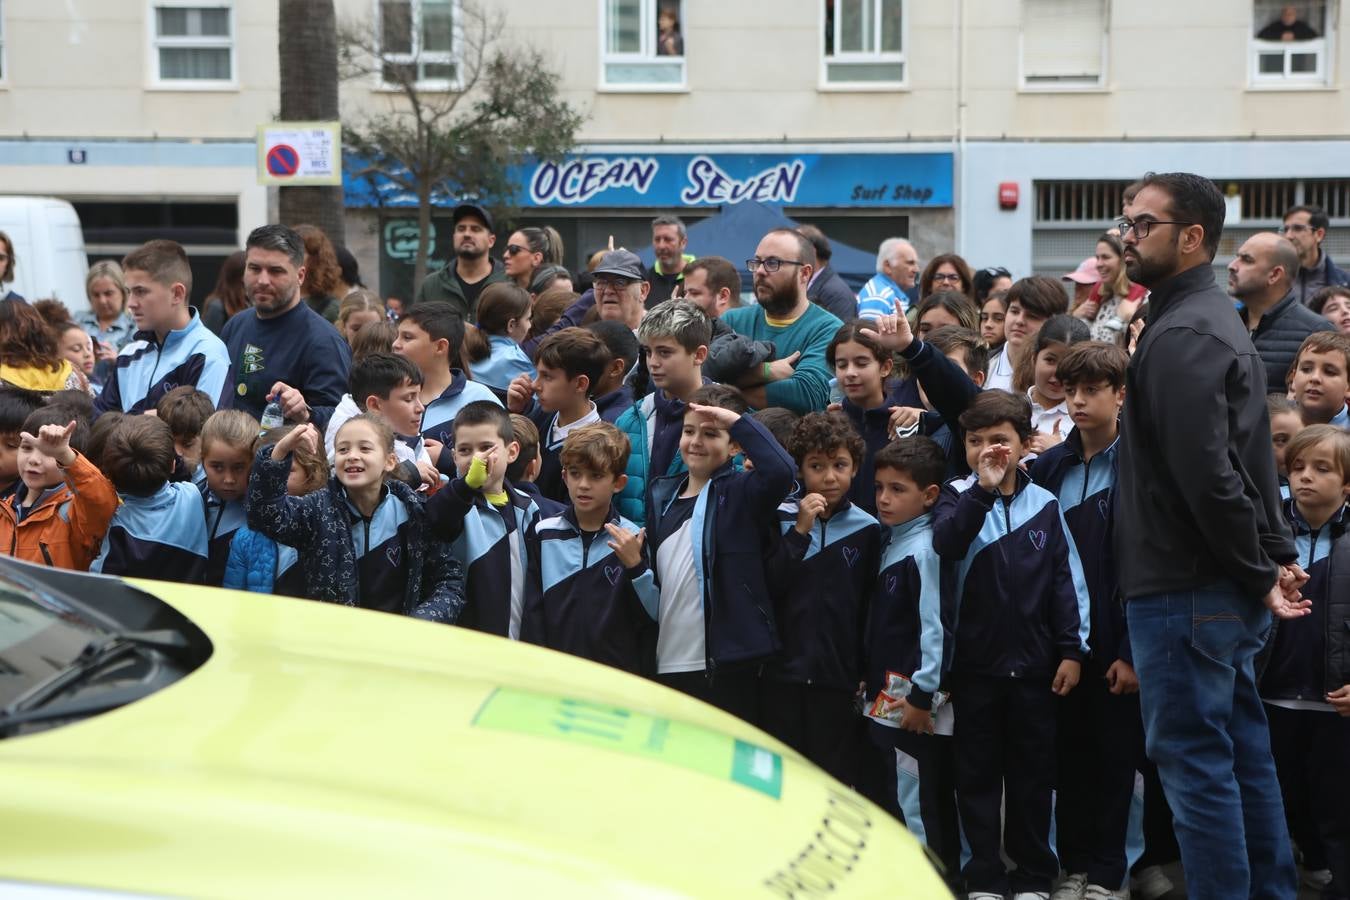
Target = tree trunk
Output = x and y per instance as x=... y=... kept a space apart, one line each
x=307 y=50
x=423 y=233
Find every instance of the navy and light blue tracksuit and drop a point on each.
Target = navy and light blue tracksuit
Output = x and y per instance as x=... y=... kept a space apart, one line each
x=146 y=369
x=438 y=418
x=1100 y=734
x=546 y=506
x=223 y=519
x=163 y=534
x=874 y=427
x=1304 y=659
x=1022 y=608
x=734 y=528
x=490 y=541
x=581 y=599
x=910 y=632
x=614 y=404
x=820 y=583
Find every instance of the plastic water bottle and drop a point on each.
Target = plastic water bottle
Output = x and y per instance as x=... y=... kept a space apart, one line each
x=272 y=417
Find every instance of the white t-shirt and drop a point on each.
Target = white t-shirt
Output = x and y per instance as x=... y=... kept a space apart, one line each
x=558 y=433
x=1000 y=370
x=1043 y=418
x=680 y=644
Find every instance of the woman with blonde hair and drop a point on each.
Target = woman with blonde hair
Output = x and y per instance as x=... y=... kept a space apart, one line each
x=1112 y=301
x=106 y=321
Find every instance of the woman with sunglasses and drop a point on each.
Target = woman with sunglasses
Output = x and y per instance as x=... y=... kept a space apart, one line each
x=528 y=250
x=1112 y=301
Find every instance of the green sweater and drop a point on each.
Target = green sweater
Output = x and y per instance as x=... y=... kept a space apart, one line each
x=808 y=390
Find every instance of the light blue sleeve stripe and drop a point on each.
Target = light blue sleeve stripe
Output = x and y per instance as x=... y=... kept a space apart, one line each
x=931 y=639
x=1079 y=586
x=874 y=306
x=648 y=593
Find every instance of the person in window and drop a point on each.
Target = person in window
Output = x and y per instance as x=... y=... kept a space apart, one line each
x=669 y=41
x=1288 y=27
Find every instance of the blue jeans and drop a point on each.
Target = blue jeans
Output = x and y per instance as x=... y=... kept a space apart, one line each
x=1205 y=728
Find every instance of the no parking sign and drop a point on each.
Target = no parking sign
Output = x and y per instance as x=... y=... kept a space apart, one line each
x=300 y=153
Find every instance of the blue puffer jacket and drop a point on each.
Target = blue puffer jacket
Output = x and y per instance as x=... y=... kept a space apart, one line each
x=319 y=526
x=252 y=562
x=652 y=424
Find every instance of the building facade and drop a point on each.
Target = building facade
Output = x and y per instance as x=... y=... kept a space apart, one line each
x=1001 y=128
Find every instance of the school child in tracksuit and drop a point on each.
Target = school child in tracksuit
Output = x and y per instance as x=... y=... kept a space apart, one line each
x=227 y=455
x=363 y=539
x=710 y=530
x=1099 y=728
x=485 y=519
x=821 y=580
x=1303 y=673
x=158 y=528
x=1021 y=636
x=589 y=589
x=909 y=649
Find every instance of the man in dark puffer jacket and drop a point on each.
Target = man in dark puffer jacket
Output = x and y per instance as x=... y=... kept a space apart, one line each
x=1261 y=276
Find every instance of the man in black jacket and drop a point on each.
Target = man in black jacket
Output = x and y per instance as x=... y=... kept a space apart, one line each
x=1261 y=276
x=827 y=289
x=1205 y=556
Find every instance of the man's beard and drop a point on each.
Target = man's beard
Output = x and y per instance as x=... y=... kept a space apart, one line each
x=277 y=301
x=781 y=300
x=470 y=251
x=1151 y=271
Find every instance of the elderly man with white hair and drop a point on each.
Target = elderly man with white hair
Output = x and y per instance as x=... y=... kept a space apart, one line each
x=884 y=293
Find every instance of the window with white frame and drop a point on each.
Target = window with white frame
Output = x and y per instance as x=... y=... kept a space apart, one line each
x=643 y=44
x=1063 y=44
x=1290 y=43
x=864 y=42
x=419 y=42
x=193 y=42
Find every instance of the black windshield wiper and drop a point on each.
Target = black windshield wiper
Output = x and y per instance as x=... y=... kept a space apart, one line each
x=94 y=657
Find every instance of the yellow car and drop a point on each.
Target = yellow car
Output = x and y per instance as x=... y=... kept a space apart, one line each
x=164 y=739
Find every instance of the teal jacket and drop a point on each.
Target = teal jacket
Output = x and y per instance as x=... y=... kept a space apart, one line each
x=654 y=421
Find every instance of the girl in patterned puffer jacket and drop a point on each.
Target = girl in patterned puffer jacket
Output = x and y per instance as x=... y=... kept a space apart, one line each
x=362 y=540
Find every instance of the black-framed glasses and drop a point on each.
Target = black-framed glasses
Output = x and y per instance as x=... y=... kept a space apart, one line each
x=1141 y=227
x=610 y=284
x=771 y=264
x=946 y=277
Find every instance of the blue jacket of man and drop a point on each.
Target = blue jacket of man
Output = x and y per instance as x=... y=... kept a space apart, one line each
x=580 y=599
x=912 y=616
x=162 y=535
x=820 y=596
x=491 y=544
x=1086 y=493
x=734 y=529
x=299 y=348
x=1022 y=599
x=146 y=370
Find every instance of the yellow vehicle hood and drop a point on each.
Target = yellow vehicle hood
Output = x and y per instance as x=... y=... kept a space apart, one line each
x=339 y=752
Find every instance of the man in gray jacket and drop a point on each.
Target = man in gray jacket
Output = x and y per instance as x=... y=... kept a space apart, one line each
x=1203 y=552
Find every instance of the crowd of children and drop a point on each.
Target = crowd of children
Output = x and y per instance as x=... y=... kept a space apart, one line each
x=922 y=600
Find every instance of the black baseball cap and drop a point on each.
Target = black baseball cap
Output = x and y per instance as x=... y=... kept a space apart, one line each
x=472 y=209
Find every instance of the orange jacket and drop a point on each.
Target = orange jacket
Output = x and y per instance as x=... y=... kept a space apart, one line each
x=65 y=530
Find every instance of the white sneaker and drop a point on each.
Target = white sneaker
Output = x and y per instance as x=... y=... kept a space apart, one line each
x=1317 y=879
x=1097 y=892
x=1072 y=887
x=1151 y=883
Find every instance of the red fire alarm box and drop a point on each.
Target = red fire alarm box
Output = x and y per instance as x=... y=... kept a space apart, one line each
x=1007 y=195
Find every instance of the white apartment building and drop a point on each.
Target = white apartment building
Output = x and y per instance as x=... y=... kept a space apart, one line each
x=1001 y=128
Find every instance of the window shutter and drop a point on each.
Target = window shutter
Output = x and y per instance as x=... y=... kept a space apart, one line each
x=1062 y=40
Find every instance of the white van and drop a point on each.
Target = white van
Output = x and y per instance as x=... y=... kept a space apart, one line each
x=48 y=249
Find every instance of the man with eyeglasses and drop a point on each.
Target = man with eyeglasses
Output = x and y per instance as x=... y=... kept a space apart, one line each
x=621 y=288
x=460 y=282
x=1306 y=228
x=799 y=378
x=1204 y=555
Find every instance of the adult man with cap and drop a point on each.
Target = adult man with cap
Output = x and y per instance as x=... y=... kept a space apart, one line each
x=621 y=287
x=459 y=283
x=1082 y=279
